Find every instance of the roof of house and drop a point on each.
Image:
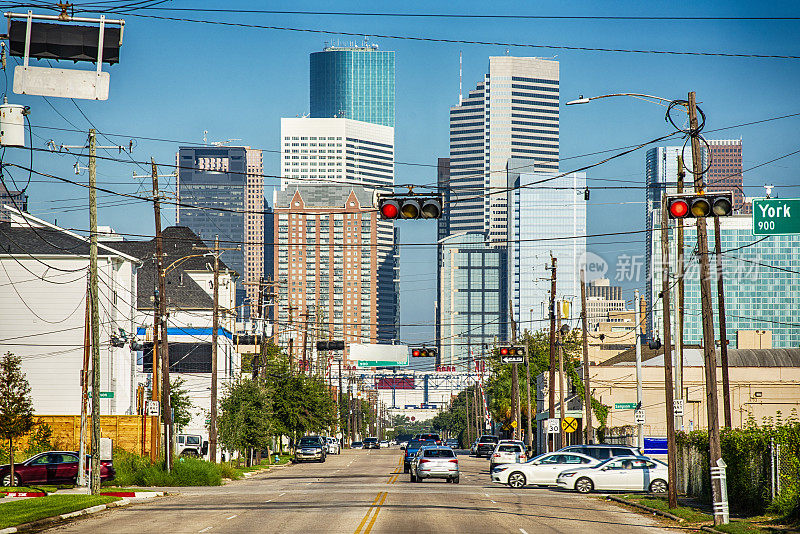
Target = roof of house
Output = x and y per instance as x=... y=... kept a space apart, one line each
x=182 y=291
x=693 y=357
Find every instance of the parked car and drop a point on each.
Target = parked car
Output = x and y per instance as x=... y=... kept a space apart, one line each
x=603 y=452
x=310 y=448
x=486 y=445
x=507 y=453
x=51 y=467
x=384 y=444
x=403 y=444
x=638 y=473
x=542 y=470
x=357 y=445
x=371 y=443
x=452 y=443
x=435 y=462
x=191 y=445
x=411 y=450
x=333 y=446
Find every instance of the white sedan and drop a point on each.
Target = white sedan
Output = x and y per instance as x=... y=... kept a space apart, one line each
x=541 y=470
x=625 y=473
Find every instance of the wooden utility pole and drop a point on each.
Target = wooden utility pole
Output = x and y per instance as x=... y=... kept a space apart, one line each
x=155 y=426
x=679 y=318
x=95 y=313
x=87 y=343
x=551 y=387
x=466 y=408
x=212 y=438
x=259 y=360
x=166 y=410
x=514 y=376
x=709 y=353
x=588 y=430
x=672 y=450
x=562 y=408
x=723 y=333
x=529 y=425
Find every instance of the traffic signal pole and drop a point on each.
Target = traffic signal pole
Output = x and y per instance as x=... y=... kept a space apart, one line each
x=587 y=392
x=514 y=376
x=679 y=319
x=551 y=392
x=723 y=334
x=709 y=353
x=94 y=312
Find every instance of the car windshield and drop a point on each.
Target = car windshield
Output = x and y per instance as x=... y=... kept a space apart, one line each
x=489 y=439
x=309 y=442
x=193 y=440
x=370 y=440
x=438 y=453
x=509 y=448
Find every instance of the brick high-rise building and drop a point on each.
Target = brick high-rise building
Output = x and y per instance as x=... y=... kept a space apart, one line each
x=725 y=172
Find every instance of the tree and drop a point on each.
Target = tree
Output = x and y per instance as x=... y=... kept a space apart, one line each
x=16 y=406
x=181 y=403
x=244 y=421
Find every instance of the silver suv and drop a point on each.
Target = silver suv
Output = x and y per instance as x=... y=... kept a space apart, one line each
x=310 y=448
x=435 y=462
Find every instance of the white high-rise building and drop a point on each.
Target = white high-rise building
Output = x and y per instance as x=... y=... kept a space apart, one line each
x=512 y=113
x=336 y=151
x=535 y=232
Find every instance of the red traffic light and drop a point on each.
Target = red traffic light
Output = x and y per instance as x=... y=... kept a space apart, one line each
x=415 y=353
x=678 y=209
x=504 y=351
x=390 y=209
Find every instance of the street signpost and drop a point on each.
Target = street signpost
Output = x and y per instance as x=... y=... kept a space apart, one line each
x=776 y=216
x=569 y=424
x=153 y=408
x=638 y=417
x=553 y=426
x=677 y=405
x=512 y=359
x=106 y=394
x=624 y=405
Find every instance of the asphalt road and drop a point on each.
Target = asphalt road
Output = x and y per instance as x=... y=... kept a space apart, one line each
x=360 y=492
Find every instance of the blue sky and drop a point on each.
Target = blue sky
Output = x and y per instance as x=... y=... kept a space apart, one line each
x=177 y=79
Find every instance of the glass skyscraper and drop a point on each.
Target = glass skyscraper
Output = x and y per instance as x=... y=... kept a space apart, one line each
x=471 y=305
x=353 y=82
x=761 y=281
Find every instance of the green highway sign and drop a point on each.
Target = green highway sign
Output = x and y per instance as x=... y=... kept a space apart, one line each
x=776 y=216
x=624 y=405
x=106 y=394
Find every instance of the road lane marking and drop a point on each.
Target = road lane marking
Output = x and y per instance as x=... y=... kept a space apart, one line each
x=375 y=506
x=523 y=530
x=282 y=494
x=234 y=515
x=205 y=529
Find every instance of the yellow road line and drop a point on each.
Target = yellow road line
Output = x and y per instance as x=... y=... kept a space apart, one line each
x=369 y=511
x=375 y=516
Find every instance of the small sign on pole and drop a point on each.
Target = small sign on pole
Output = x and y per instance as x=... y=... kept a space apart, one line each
x=677 y=405
x=624 y=405
x=153 y=408
x=553 y=426
x=569 y=424
x=638 y=417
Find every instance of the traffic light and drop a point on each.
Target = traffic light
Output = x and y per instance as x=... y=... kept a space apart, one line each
x=330 y=345
x=422 y=352
x=691 y=206
x=409 y=207
x=64 y=41
x=512 y=354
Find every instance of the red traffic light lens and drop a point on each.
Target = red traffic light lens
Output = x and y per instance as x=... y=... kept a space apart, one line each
x=390 y=210
x=678 y=209
x=504 y=351
x=415 y=353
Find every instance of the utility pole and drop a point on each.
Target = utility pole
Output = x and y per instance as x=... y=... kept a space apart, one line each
x=709 y=354
x=155 y=425
x=87 y=343
x=166 y=410
x=679 y=318
x=638 y=342
x=587 y=392
x=259 y=361
x=95 y=314
x=514 y=376
x=466 y=408
x=529 y=425
x=551 y=383
x=672 y=450
x=723 y=334
x=561 y=404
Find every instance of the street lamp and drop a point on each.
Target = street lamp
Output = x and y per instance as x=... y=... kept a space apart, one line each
x=640 y=96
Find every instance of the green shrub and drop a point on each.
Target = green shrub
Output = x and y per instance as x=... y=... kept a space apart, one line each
x=135 y=470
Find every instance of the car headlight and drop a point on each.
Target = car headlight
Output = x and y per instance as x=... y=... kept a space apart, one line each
x=566 y=475
x=499 y=468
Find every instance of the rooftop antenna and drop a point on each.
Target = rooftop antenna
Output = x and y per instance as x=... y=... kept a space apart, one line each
x=460 y=72
x=205 y=137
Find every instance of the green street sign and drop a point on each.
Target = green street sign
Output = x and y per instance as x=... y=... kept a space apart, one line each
x=364 y=364
x=106 y=394
x=624 y=405
x=776 y=216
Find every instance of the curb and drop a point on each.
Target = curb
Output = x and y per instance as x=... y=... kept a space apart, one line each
x=645 y=508
x=51 y=521
x=134 y=494
x=25 y=494
x=709 y=529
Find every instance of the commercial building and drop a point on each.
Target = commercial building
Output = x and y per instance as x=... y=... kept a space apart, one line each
x=43 y=310
x=602 y=301
x=336 y=151
x=472 y=310
x=535 y=233
x=338 y=268
x=353 y=82
x=511 y=113
x=725 y=171
x=761 y=282
x=226 y=184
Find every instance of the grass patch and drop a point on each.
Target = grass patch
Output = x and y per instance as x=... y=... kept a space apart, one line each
x=135 y=470
x=690 y=514
x=18 y=512
x=115 y=489
x=741 y=527
x=47 y=488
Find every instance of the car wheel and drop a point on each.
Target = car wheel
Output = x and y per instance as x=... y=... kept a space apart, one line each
x=413 y=478
x=516 y=480
x=7 y=480
x=658 y=486
x=584 y=485
x=406 y=469
x=455 y=480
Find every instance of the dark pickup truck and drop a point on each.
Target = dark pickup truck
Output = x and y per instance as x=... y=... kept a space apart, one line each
x=486 y=445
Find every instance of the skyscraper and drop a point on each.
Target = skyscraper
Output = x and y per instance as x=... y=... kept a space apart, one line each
x=353 y=82
x=328 y=250
x=512 y=113
x=230 y=181
x=725 y=171
x=535 y=232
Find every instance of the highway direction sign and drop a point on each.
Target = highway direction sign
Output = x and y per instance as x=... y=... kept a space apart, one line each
x=776 y=216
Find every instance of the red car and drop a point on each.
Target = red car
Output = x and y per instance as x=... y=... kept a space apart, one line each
x=51 y=467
